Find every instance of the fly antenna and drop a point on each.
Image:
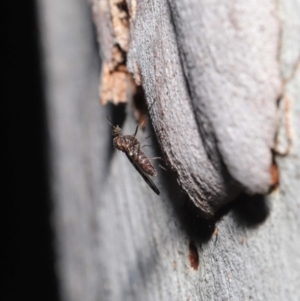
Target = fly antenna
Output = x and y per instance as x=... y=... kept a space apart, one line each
x=109 y=121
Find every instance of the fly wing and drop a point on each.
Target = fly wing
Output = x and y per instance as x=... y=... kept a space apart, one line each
x=144 y=175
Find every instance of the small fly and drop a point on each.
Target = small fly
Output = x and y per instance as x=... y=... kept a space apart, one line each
x=132 y=148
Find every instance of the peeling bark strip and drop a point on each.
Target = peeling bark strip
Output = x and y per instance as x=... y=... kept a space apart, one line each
x=218 y=78
x=211 y=70
x=112 y=21
x=234 y=82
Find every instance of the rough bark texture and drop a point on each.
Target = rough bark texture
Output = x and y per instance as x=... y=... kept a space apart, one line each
x=211 y=70
x=229 y=52
x=117 y=240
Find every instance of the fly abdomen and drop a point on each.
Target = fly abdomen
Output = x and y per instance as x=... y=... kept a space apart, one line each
x=143 y=161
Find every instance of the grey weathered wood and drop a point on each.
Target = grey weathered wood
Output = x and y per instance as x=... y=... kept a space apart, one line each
x=117 y=240
x=218 y=77
x=230 y=56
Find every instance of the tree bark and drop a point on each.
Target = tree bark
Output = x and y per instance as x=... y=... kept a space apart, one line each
x=116 y=239
x=212 y=85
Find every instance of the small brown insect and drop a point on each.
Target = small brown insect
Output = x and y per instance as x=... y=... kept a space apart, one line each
x=132 y=148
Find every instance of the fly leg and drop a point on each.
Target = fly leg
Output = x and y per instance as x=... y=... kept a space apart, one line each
x=136 y=130
x=159 y=158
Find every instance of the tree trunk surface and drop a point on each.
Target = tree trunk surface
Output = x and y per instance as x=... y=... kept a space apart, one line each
x=115 y=238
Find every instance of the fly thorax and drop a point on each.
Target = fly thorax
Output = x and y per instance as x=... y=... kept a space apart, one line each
x=116 y=142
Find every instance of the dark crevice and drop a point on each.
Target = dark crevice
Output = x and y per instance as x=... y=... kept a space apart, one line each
x=117 y=116
x=251 y=210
